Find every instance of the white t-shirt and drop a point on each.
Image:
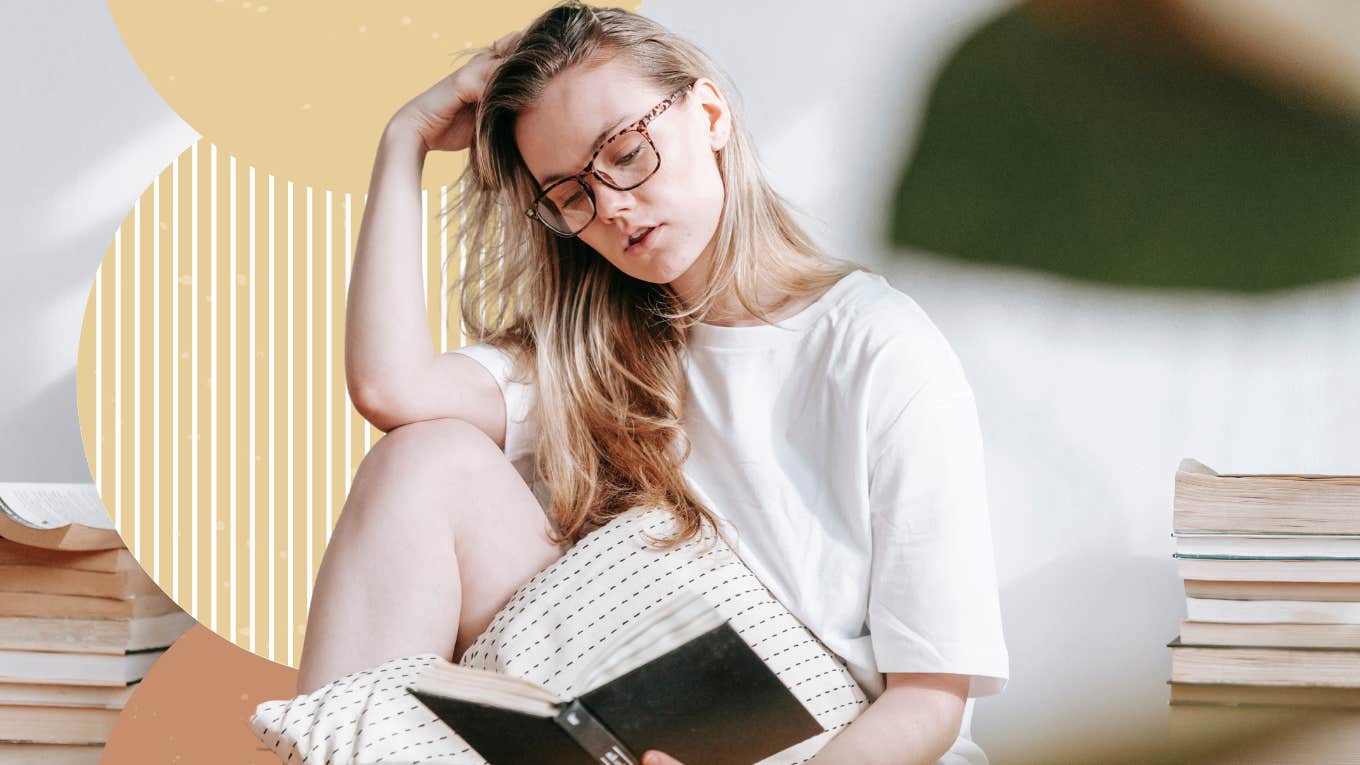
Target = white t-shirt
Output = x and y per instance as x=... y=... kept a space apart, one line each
x=842 y=451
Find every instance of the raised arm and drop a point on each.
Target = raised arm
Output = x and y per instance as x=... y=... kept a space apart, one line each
x=391 y=371
x=387 y=338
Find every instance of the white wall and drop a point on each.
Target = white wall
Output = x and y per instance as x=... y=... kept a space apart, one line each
x=82 y=134
x=1089 y=396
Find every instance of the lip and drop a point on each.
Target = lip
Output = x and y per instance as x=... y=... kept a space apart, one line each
x=645 y=243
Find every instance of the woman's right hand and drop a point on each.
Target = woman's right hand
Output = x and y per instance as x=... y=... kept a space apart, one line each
x=443 y=116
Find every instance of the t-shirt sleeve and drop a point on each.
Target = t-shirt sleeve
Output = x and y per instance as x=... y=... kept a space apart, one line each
x=933 y=599
x=521 y=430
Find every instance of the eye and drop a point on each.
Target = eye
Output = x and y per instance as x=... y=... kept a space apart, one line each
x=625 y=159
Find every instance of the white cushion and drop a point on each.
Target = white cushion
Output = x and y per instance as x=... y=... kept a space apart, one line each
x=553 y=625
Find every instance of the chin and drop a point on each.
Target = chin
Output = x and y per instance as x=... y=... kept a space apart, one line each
x=661 y=266
x=649 y=273
x=667 y=268
x=656 y=267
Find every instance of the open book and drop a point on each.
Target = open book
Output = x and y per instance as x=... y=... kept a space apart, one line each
x=56 y=516
x=679 y=679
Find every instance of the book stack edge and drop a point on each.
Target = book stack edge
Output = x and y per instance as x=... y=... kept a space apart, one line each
x=1271 y=569
x=80 y=623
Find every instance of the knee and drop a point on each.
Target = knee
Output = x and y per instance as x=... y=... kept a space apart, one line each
x=414 y=470
x=443 y=447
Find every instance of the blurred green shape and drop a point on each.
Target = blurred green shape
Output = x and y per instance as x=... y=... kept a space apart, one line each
x=1048 y=147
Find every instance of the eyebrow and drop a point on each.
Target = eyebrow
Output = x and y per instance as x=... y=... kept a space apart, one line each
x=615 y=125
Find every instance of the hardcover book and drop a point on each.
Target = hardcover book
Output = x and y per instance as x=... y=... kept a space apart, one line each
x=678 y=679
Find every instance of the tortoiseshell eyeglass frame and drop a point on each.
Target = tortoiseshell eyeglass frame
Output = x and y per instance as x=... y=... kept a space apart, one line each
x=641 y=127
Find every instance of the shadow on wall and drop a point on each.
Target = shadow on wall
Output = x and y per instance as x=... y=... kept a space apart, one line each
x=1100 y=623
x=1093 y=625
x=1120 y=145
x=39 y=415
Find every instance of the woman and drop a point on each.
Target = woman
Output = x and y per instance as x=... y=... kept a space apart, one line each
x=672 y=337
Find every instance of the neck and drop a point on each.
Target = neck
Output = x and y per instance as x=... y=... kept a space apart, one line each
x=737 y=316
x=727 y=311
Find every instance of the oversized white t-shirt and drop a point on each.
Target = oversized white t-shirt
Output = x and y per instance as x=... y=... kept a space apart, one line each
x=842 y=451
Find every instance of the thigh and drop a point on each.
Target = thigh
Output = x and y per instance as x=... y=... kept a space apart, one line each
x=436 y=534
x=501 y=534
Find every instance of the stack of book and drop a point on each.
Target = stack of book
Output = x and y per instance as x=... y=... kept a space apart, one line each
x=1271 y=567
x=80 y=623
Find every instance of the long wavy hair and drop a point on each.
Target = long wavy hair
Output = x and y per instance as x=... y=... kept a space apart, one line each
x=606 y=349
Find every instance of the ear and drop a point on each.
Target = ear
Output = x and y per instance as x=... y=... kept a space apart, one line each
x=717 y=117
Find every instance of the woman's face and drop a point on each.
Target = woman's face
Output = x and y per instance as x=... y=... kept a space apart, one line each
x=683 y=198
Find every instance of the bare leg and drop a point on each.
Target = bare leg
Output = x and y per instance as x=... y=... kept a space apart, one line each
x=438 y=531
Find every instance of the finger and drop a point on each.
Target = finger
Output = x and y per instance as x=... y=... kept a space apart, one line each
x=654 y=757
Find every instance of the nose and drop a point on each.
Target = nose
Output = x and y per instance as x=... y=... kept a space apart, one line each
x=609 y=202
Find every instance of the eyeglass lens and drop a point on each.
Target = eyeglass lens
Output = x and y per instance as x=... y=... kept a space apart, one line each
x=625 y=162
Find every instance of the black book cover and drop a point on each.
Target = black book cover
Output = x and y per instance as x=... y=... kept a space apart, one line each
x=711 y=701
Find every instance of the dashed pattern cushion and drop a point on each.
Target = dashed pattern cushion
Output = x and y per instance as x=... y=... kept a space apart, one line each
x=555 y=624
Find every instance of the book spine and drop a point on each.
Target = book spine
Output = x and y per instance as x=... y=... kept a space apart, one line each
x=592 y=736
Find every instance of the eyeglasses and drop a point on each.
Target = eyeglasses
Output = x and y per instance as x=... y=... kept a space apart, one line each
x=629 y=158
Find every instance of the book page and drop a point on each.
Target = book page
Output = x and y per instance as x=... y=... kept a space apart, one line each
x=51 y=505
x=444 y=678
x=1347 y=480
x=1194 y=466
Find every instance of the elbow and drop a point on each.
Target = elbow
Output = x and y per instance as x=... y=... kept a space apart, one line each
x=373 y=405
x=933 y=701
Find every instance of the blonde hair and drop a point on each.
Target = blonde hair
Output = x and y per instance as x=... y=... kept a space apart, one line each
x=605 y=348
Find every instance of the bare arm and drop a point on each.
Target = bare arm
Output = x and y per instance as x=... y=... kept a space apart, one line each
x=915 y=720
x=392 y=372
x=387 y=337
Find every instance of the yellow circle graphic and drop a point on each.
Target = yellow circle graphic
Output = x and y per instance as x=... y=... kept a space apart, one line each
x=303 y=88
x=210 y=378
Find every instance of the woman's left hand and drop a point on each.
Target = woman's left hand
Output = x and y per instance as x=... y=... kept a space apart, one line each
x=655 y=757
